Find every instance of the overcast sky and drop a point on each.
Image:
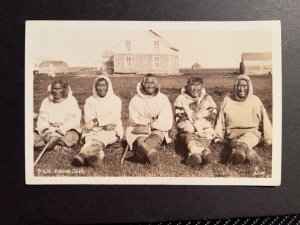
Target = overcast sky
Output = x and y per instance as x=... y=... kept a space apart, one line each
x=83 y=43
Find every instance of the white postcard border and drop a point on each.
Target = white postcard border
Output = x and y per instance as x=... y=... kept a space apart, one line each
x=275 y=180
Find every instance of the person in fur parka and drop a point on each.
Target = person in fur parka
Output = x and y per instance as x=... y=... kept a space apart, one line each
x=58 y=122
x=103 y=125
x=195 y=113
x=242 y=123
x=151 y=117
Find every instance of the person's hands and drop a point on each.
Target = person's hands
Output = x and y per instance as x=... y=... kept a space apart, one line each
x=110 y=127
x=89 y=125
x=141 y=129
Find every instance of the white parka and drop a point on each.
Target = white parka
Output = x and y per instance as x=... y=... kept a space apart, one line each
x=107 y=109
x=62 y=116
x=154 y=111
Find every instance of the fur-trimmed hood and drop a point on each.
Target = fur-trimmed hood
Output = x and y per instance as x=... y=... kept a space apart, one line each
x=143 y=94
x=202 y=95
x=110 y=91
x=68 y=92
x=250 y=88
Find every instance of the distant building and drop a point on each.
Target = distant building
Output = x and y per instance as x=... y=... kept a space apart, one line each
x=108 y=62
x=256 y=63
x=196 y=66
x=142 y=52
x=52 y=67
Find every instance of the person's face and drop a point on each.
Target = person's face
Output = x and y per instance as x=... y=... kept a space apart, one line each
x=57 y=91
x=101 y=88
x=242 y=89
x=149 y=85
x=194 y=90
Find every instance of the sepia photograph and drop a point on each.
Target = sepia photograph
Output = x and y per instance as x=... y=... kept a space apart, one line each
x=164 y=103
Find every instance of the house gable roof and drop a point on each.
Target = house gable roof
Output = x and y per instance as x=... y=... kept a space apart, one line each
x=162 y=40
x=139 y=38
x=258 y=56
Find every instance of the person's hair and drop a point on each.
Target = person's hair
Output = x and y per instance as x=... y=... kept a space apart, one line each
x=148 y=75
x=58 y=82
x=235 y=89
x=101 y=79
x=244 y=79
x=63 y=85
x=194 y=80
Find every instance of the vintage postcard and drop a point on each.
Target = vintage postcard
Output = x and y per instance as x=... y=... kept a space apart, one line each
x=164 y=103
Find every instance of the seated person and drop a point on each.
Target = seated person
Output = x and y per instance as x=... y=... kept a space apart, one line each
x=58 y=122
x=243 y=122
x=195 y=113
x=150 y=115
x=102 y=116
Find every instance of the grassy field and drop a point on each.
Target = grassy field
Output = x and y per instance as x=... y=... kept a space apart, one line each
x=172 y=156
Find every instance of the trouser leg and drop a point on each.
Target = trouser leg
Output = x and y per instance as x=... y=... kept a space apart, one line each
x=139 y=148
x=70 y=138
x=155 y=139
x=148 y=147
x=198 y=148
x=66 y=142
x=238 y=151
x=194 y=144
x=91 y=151
x=242 y=148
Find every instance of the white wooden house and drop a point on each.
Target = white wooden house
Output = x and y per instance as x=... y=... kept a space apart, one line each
x=142 y=52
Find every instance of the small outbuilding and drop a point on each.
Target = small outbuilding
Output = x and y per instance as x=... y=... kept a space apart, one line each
x=196 y=66
x=258 y=63
x=52 y=67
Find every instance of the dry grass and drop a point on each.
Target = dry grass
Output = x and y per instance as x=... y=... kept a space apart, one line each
x=172 y=157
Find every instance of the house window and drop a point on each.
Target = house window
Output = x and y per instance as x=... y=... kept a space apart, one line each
x=128 y=46
x=156 y=62
x=156 y=46
x=129 y=60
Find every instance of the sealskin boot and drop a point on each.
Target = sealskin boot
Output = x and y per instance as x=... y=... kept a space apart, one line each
x=238 y=152
x=93 y=160
x=238 y=156
x=93 y=153
x=139 y=148
x=152 y=155
x=144 y=150
x=78 y=160
x=253 y=157
x=206 y=155
x=194 y=159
